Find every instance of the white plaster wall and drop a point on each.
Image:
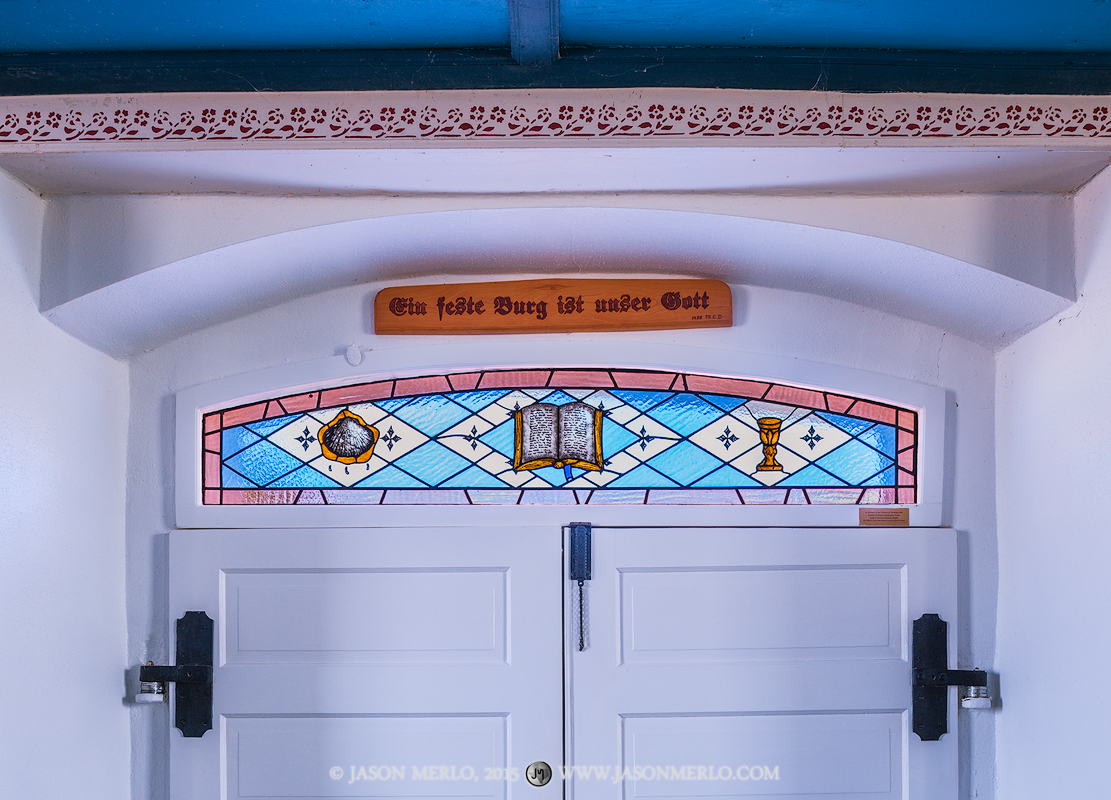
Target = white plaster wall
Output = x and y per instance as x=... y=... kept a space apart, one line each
x=1053 y=404
x=103 y=239
x=63 y=431
x=767 y=321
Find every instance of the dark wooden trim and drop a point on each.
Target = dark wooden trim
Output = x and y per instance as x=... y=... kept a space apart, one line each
x=732 y=68
x=534 y=31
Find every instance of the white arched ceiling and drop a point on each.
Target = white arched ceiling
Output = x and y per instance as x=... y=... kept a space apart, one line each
x=148 y=309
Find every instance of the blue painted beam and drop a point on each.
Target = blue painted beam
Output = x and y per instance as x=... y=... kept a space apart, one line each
x=58 y=26
x=731 y=68
x=534 y=31
x=977 y=25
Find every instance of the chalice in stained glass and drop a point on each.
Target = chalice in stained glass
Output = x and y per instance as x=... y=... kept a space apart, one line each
x=770 y=418
x=769 y=437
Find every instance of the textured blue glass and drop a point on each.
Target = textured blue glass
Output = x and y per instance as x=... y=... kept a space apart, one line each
x=639 y=399
x=615 y=438
x=235 y=439
x=847 y=424
x=558 y=398
x=642 y=477
x=685 y=463
x=432 y=414
x=432 y=463
x=306 y=477
x=265 y=427
x=810 y=476
x=474 y=478
x=476 y=401
x=230 y=479
x=726 y=478
x=500 y=438
x=854 y=462
x=684 y=413
x=263 y=462
x=885 y=478
x=393 y=404
x=390 y=478
x=881 y=437
x=724 y=402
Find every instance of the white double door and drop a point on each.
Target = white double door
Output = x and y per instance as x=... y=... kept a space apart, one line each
x=437 y=662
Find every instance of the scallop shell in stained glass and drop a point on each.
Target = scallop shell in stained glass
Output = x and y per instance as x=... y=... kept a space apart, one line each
x=348 y=439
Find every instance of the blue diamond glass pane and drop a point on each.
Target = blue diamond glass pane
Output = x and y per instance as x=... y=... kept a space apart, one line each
x=265 y=427
x=230 y=479
x=847 y=424
x=810 y=476
x=263 y=462
x=500 y=438
x=854 y=462
x=726 y=478
x=432 y=463
x=640 y=400
x=684 y=413
x=885 y=478
x=304 y=478
x=390 y=478
x=476 y=401
x=685 y=463
x=615 y=438
x=724 y=402
x=392 y=404
x=642 y=477
x=475 y=478
x=559 y=398
x=881 y=437
x=232 y=440
x=432 y=414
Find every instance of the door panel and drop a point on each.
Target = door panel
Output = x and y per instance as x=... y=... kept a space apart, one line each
x=785 y=652
x=431 y=653
x=273 y=756
x=355 y=617
x=385 y=663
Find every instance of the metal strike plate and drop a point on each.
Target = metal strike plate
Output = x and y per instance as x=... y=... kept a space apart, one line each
x=192 y=677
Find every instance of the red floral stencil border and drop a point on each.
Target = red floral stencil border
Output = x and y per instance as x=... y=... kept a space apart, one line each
x=506 y=115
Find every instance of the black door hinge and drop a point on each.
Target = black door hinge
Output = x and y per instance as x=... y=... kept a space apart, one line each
x=931 y=677
x=192 y=677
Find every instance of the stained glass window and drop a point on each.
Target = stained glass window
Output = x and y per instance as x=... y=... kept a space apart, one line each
x=565 y=436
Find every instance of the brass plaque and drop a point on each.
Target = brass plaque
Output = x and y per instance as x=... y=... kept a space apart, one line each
x=885 y=517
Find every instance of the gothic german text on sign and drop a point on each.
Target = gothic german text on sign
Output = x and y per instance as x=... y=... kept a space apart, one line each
x=554 y=306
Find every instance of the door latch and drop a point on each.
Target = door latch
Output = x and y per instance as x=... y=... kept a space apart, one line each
x=579 y=560
x=931 y=677
x=192 y=677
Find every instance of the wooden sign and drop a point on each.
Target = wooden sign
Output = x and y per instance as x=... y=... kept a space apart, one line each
x=554 y=306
